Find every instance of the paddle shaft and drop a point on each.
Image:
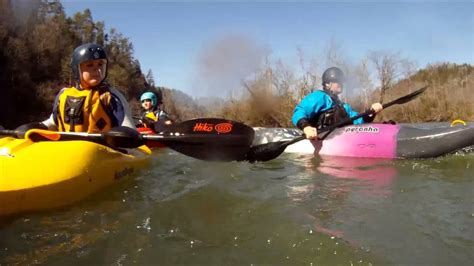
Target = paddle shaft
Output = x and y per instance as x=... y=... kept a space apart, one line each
x=8 y=132
x=205 y=138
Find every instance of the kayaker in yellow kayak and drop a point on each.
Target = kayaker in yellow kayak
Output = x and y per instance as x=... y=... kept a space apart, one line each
x=323 y=108
x=91 y=104
x=153 y=115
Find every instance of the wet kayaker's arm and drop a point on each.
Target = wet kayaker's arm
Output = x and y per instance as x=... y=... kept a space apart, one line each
x=122 y=114
x=49 y=123
x=306 y=109
x=377 y=107
x=362 y=120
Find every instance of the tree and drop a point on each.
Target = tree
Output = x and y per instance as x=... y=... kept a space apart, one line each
x=387 y=66
x=150 y=79
x=363 y=81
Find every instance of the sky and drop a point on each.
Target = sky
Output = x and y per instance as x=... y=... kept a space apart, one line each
x=204 y=48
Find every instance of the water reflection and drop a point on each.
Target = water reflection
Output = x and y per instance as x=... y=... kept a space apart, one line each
x=369 y=176
x=332 y=184
x=376 y=173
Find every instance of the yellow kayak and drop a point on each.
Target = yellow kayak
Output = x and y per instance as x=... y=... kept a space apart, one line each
x=42 y=175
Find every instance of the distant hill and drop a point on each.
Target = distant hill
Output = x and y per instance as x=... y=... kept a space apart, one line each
x=449 y=95
x=180 y=106
x=211 y=104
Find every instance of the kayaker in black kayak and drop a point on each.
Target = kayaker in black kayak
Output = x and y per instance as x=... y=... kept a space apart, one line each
x=323 y=108
x=90 y=105
x=153 y=115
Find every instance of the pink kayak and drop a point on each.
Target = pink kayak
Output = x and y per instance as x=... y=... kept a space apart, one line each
x=378 y=140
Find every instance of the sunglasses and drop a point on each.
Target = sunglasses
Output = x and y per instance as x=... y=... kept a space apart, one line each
x=147 y=100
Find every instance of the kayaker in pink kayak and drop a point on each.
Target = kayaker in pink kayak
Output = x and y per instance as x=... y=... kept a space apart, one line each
x=91 y=104
x=323 y=108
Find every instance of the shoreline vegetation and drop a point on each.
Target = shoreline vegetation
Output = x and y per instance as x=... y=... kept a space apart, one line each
x=37 y=40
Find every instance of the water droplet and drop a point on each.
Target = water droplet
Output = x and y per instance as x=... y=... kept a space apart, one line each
x=236 y=237
x=332 y=237
x=269 y=241
x=294 y=245
x=311 y=231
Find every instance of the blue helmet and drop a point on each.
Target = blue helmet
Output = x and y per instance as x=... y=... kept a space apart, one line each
x=149 y=96
x=86 y=52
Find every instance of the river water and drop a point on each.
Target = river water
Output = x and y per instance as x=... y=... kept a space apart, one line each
x=294 y=210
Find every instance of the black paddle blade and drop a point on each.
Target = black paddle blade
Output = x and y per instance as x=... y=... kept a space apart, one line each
x=210 y=139
x=266 y=152
x=271 y=150
x=123 y=137
x=406 y=98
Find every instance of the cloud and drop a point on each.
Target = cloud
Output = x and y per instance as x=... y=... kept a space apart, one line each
x=224 y=62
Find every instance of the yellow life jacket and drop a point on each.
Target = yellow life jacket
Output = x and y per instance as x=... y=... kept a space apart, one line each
x=84 y=110
x=152 y=116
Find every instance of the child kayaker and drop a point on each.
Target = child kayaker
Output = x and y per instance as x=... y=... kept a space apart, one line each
x=153 y=116
x=323 y=108
x=90 y=105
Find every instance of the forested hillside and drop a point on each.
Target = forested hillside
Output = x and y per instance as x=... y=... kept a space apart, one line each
x=36 y=42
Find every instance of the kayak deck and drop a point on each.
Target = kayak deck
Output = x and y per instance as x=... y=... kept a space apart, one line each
x=49 y=174
x=378 y=140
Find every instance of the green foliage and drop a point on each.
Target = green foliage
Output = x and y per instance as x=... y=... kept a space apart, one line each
x=36 y=43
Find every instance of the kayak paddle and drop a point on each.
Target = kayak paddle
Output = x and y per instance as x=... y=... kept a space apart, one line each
x=269 y=151
x=210 y=139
